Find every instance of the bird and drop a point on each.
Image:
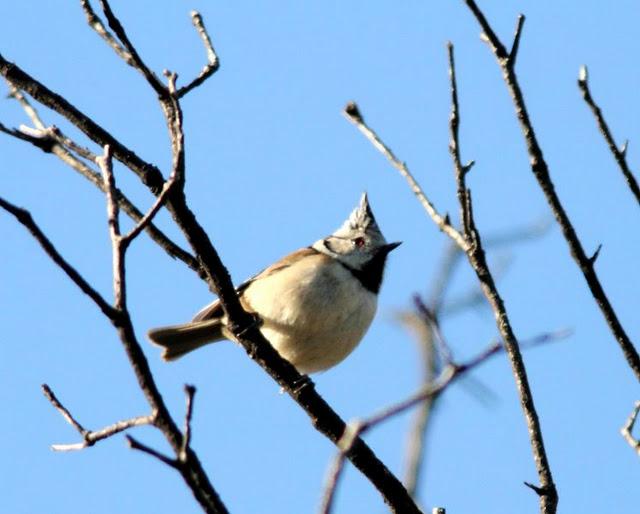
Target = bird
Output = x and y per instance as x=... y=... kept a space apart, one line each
x=314 y=305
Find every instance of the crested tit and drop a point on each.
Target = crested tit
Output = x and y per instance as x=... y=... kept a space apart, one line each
x=315 y=304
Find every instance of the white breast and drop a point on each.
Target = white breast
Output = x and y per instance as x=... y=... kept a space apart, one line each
x=315 y=311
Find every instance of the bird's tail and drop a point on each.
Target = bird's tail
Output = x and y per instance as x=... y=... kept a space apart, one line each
x=180 y=339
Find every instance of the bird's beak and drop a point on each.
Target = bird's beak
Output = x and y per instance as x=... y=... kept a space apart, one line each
x=391 y=246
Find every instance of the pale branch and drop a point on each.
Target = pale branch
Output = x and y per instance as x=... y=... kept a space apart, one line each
x=540 y=170
x=416 y=436
x=91 y=437
x=149 y=174
x=450 y=373
x=627 y=429
x=24 y=218
x=53 y=140
x=619 y=153
x=352 y=113
x=118 y=249
x=213 y=62
x=96 y=24
x=334 y=472
x=45 y=144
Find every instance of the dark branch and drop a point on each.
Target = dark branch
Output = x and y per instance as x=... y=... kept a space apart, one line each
x=136 y=60
x=241 y=324
x=24 y=218
x=96 y=24
x=540 y=170
x=134 y=444
x=471 y=243
x=619 y=154
x=513 y=54
x=190 y=392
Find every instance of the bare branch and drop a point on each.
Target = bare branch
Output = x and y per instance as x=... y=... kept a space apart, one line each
x=540 y=169
x=91 y=437
x=213 y=63
x=134 y=444
x=352 y=113
x=145 y=221
x=470 y=242
x=619 y=154
x=429 y=391
x=105 y=162
x=334 y=473
x=136 y=60
x=106 y=165
x=149 y=174
x=627 y=429
x=513 y=54
x=488 y=35
x=96 y=24
x=241 y=324
x=454 y=149
x=190 y=392
x=46 y=390
x=24 y=217
x=46 y=138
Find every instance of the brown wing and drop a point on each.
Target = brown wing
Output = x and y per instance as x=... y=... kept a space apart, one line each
x=214 y=310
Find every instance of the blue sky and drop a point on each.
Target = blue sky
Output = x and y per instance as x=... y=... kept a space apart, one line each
x=272 y=166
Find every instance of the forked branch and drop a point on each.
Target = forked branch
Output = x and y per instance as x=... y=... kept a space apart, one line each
x=471 y=243
x=627 y=429
x=91 y=437
x=540 y=170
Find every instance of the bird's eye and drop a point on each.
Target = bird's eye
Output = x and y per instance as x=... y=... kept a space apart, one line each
x=358 y=242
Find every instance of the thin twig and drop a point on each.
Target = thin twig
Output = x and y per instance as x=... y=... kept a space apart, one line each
x=619 y=153
x=213 y=62
x=190 y=392
x=332 y=480
x=352 y=113
x=137 y=62
x=134 y=444
x=241 y=324
x=470 y=242
x=627 y=429
x=96 y=24
x=105 y=162
x=146 y=220
x=46 y=138
x=540 y=169
x=477 y=259
x=24 y=217
x=449 y=374
x=513 y=54
x=91 y=437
